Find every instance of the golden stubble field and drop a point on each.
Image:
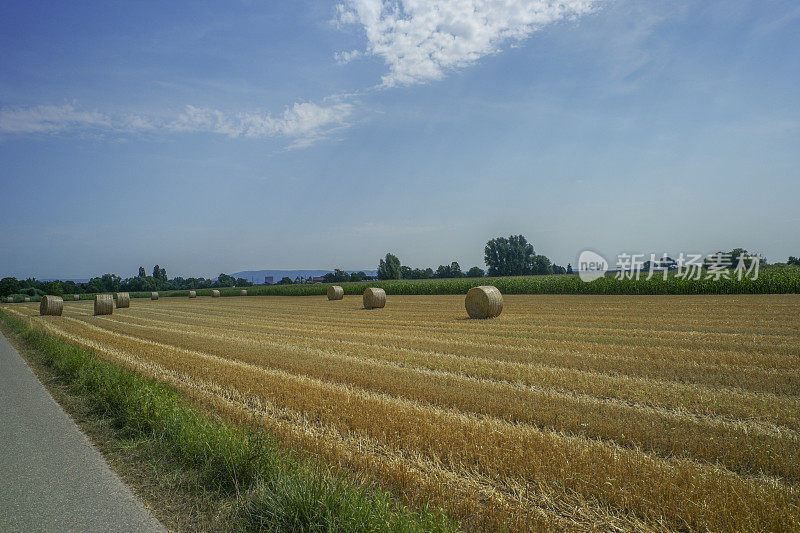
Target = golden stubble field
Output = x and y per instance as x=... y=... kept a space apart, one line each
x=568 y=412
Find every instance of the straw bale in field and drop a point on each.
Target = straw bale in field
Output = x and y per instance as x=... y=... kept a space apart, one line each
x=484 y=302
x=51 y=305
x=154 y=295
x=192 y=294
x=242 y=292
x=215 y=293
x=123 y=299
x=27 y=298
x=103 y=304
x=374 y=298
x=75 y=297
x=335 y=292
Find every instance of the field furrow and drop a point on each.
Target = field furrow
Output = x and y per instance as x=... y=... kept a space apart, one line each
x=777 y=374
x=627 y=413
x=741 y=448
x=671 y=395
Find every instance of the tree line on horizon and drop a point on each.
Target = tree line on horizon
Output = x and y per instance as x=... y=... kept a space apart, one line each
x=157 y=281
x=512 y=256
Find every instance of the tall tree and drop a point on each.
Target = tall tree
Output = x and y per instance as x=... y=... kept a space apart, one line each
x=110 y=282
x=389 y=268
x=159 y=274
x=9 y=286
x=509 y=257
x=475 y=272
x=224 y=280
x=142 y=273
x=337 y=276
x=453 y=270
x=358 y=276
x=541 y=265
x=735 y=254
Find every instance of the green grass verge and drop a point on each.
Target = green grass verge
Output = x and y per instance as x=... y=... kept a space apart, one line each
x=276 y=491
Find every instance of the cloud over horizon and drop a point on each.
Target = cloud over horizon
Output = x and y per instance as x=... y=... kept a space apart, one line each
x=304 y=122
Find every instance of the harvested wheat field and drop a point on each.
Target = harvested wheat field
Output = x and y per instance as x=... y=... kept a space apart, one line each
x=565 y=412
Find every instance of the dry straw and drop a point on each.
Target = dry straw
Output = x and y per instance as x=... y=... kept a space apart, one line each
x=27 y=298
x=154 y=295
x=75 y=297
x=103 y=304
x=374 y=298
x=335 y=292
x=51 y=305
x=10 y=300
x=123 y=299
x=484 y=302
x=215 y=293
x=242 y=292
x=192 y=294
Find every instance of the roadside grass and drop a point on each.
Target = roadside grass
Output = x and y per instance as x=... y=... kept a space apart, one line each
x=273 y=489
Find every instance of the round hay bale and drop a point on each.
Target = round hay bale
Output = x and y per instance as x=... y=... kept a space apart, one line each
x=215 y=293
x=192 y=294
x=75 y=297
x=335 y=292
x=484 y=302
x=123 y=299
x=10 y=300
x=242 y=292
x=374 y=298
x=103 y=304
x=51 y=305
x=27 y=298
x=154 y=295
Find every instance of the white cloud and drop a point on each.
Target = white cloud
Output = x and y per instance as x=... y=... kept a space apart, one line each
x=347 y=56
x=50 y=119
x=304 y=122
x=419 y=40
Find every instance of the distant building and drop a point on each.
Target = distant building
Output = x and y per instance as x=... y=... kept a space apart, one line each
x=269 y=280
x=317 y=279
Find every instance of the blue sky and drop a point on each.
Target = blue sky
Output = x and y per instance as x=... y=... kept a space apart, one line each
x=210 y=137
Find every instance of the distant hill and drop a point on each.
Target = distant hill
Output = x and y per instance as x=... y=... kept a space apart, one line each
x=257 y=276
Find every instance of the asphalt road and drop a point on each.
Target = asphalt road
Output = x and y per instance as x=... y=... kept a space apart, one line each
x=51 y=477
